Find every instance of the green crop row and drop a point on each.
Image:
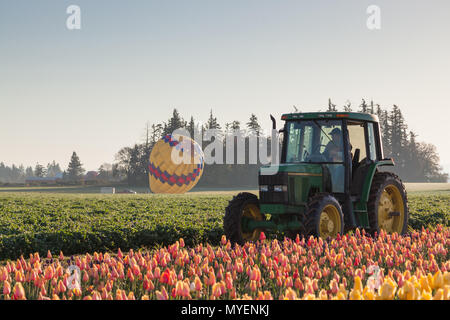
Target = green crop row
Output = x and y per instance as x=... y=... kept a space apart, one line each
x=77 y=224
x=87 y=223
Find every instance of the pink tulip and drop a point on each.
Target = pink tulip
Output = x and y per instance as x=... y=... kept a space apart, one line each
x=18 y=292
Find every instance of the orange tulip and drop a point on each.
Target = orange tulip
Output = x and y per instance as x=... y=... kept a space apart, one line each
x=198 y=284
x=6 y=288
x=18 y=292
x=290 y=294
x=162 y=295
x=61 y=287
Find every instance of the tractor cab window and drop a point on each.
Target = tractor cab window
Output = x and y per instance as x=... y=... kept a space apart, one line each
x=372 y=141
x=316 y=141
x=357 y=141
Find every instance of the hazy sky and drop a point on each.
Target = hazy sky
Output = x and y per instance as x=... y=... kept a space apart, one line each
x=93 y=90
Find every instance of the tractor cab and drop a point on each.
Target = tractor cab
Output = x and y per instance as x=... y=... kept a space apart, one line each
x=327 y=182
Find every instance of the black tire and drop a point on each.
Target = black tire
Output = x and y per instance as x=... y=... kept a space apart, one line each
x=233 y=216
x=380 y=181
x=315 y=207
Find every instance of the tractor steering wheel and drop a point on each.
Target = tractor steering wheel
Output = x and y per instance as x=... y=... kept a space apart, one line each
x=315 y=155
x=316 y=149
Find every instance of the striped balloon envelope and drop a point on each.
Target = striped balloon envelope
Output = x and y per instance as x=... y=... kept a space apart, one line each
x=176 y=164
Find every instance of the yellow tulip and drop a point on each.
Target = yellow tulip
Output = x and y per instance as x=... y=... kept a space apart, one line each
x=426 y=295
x=368 y=294
x=446 y=292
x=439 y=295
x=447 y=278
x=343 y=291
x=407 y=292
x=290 y=294
x=355 y=295
x=387 y=290
x=438 y=280
x=341 y=296
x=309 y=296
x=323 y=295
x=424 y=284
x=358 y=284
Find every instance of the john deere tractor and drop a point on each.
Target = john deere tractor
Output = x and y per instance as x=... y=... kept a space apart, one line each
x=327 y=182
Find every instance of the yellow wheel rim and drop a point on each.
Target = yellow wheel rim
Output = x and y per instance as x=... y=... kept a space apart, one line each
x=251 y=211
x=391 y=210
x=330 y=222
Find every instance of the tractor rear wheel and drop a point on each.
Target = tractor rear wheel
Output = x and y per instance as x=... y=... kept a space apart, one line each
x=388 y=204
x=324 y=217
x=242 y=208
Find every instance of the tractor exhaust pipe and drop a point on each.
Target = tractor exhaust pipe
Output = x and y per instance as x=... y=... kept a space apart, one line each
x=274 y=123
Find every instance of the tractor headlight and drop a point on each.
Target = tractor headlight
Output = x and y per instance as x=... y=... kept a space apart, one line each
x=280 y=188
x=264 y=188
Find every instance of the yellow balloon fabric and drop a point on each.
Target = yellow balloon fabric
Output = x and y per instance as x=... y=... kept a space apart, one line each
x=176 y=165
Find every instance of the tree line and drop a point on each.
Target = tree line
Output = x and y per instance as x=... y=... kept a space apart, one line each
x=19 y=174
x=132 y=162
x=415 y=161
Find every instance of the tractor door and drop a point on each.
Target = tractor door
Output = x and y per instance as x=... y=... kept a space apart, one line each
x=332 y=148
x=363 y=150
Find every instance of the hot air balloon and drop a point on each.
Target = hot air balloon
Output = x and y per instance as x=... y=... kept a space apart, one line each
x=176 y=164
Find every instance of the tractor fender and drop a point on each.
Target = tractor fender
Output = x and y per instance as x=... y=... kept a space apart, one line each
x=369 y=177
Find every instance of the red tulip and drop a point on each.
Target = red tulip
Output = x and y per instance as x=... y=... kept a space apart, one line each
x=262 y=236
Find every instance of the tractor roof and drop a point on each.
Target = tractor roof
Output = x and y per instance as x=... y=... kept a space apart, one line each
x=330 y=115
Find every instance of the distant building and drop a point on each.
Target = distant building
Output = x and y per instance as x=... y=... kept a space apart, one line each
x=43 y=180
x=107 y=190
x=91 y=175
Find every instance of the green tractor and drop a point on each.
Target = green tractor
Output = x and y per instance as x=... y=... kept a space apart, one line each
x=327 y=182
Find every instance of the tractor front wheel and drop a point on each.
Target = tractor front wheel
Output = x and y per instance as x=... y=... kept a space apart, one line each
x=241 y=209
x=324 y=217
x=388 y=204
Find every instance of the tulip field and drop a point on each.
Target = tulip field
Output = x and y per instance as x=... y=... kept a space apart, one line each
x=172 y=247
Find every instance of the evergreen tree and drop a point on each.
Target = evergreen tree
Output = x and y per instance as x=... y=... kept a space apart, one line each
x=29 y=172
x=191 y=127
x=348 y=106
x=212 y=122
x=195 y=129
x=235 y=125
x=363 y=106
x=371 y=108
x=253 y=125
x=398 y=135
x=386 y=133
x=53 y=169
x=331 y=106
x=414 y=168
x=75 y=169
x=174 y=123
x=105 y=171
x=39 y=170
x=157 y=131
